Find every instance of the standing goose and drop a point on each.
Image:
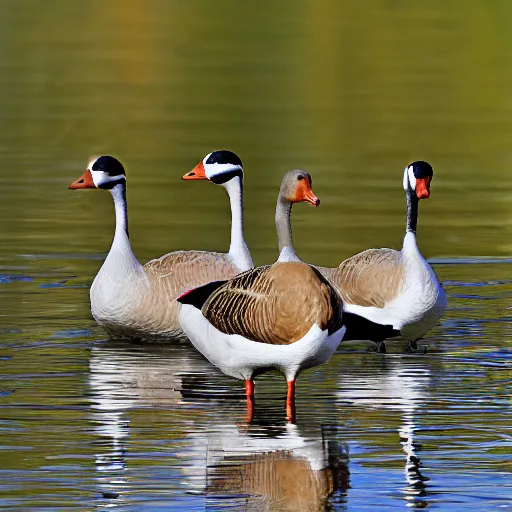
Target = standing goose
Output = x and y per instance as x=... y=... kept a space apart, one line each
x=284 y=316
x=135 y=301
x=394 y=287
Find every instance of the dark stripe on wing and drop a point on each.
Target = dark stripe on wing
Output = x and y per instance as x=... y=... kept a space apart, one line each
x=198 y=296
x=228 y=307
x=360 y=328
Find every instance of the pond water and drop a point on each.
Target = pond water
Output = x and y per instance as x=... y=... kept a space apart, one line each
x=350 y=92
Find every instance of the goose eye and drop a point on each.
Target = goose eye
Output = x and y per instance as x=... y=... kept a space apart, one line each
x=300 y=177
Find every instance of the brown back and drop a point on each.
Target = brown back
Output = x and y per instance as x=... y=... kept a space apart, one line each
x=275 y=304
x=174 y=274
x=370 y=278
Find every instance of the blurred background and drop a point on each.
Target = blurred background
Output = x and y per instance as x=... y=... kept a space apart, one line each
x=350 y=91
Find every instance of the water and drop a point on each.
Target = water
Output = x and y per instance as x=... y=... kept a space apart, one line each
x=350 y=92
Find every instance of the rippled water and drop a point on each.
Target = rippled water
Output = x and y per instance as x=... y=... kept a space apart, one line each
x=350 y=92
x=90 y=422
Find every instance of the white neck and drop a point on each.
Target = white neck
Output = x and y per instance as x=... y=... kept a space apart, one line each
x=121 y=280
x=287 y=254
x=121 y=248
x=119 y=194
x=410 y=247
x=238 y=249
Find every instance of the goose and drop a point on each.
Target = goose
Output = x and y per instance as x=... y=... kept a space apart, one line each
x=392 y=287
x=138 y=301
x=284 y=316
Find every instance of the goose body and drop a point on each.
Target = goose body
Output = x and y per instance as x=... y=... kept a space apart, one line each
x=284 y=317
x=394 y=287
x=135 y=301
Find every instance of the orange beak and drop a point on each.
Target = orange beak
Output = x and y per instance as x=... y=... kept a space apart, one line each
x=304 y=193
x=423 y=188
x=85 y=181
x=197 y=173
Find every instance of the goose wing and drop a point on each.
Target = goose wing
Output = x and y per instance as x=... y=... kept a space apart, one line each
x=370 y=278
x=182 y=270
x=275 y=304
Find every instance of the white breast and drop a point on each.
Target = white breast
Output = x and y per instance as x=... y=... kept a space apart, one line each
x=419 y=304
x=239 y=357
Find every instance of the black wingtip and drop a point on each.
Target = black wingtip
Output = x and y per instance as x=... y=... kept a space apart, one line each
x=360 y=328
x=198 y=296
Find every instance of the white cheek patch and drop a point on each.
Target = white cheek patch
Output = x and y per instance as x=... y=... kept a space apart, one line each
x=211 y=170
x=102 y=178
x=412 y=179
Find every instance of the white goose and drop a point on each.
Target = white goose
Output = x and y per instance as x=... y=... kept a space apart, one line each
x=394 y=287
x=135 y=301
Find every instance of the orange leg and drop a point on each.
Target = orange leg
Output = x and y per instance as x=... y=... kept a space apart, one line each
x=290 y=402
x=249 y=393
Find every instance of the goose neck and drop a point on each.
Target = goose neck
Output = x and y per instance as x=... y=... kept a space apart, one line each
x=238 y=249
x=284 y=226
x=412 y=211
x=121 y=208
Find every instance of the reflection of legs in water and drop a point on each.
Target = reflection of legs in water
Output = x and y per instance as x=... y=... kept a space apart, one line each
x=290 y=401
x=249 y=393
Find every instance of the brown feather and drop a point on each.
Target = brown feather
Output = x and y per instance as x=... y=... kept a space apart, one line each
x=172 y=275
x=278 y=481
x=275 y=304
x=370 y=278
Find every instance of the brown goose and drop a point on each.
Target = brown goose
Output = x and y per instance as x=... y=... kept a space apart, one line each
x=135 y=301
x=285 y=317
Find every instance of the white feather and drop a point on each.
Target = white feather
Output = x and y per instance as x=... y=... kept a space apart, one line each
x=239 y=357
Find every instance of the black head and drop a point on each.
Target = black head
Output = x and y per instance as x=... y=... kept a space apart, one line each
x=108 y=165
x=417 y=178
x=224 y=157
x=421 y=169
x=219 y=167
x=103 y=172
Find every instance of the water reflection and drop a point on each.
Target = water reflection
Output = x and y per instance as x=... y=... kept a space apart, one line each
x=269 y=464
x=269 y=468
x=401 y=384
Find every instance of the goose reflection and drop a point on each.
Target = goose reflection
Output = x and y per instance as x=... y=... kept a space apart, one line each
x=400 y=384
x=124 y=377
x=269 y=467
x=270 y=463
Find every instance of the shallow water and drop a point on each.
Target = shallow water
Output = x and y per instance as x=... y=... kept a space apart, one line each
x=350 y=92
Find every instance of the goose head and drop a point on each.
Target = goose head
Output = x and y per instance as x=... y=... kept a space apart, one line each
x=296 y=188
x=104 y=172
x=220 y=167
x=417 y=178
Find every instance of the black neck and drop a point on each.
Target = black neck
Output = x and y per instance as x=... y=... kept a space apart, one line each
x=412 y=211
